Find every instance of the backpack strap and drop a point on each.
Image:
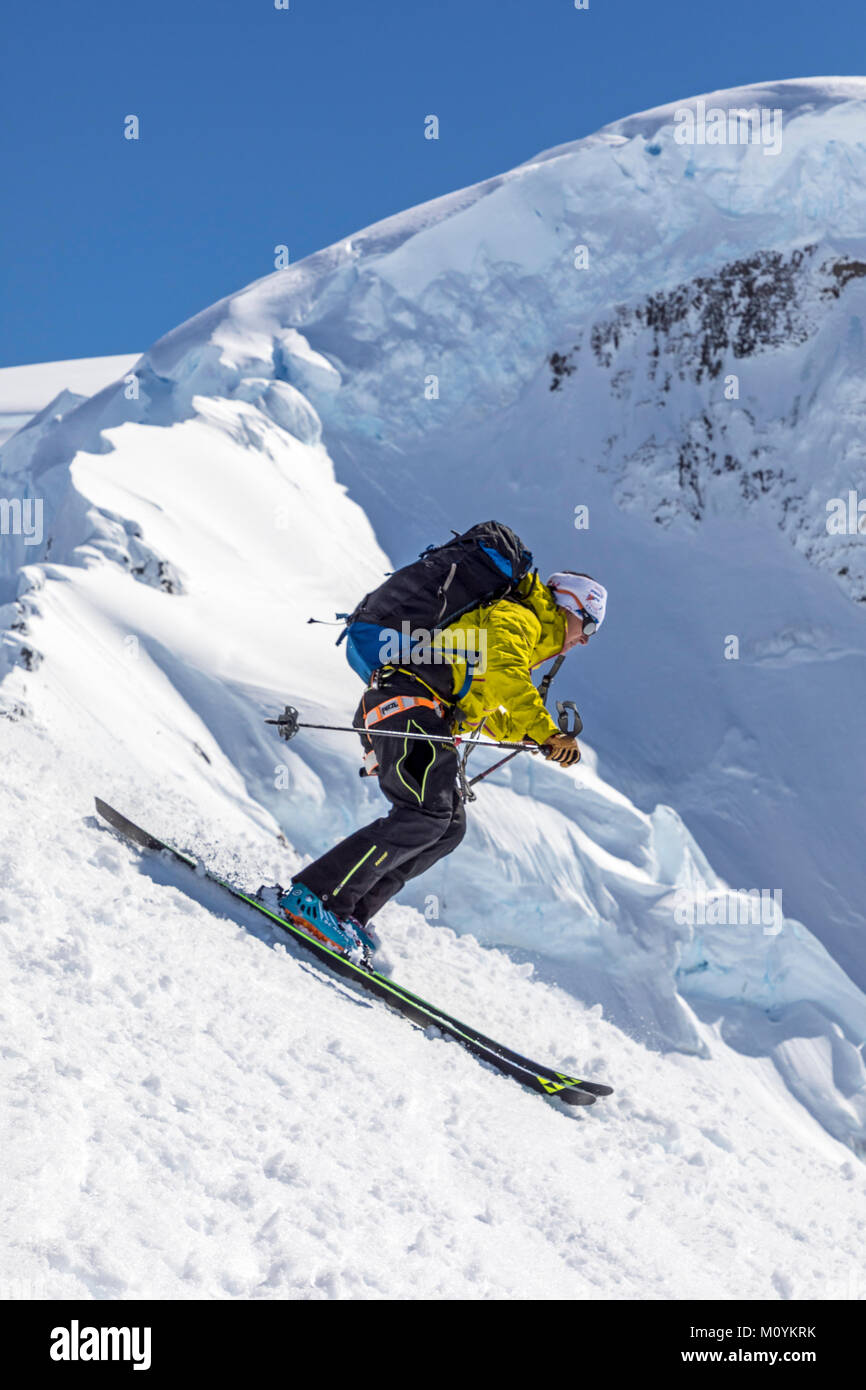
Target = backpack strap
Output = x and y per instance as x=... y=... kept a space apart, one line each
x=443 y=591
x=471 y=663
x=381 y=678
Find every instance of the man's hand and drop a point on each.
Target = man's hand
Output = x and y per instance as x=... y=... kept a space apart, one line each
x=563 y=749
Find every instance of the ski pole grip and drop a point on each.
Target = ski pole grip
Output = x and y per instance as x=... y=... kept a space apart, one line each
x=574 y=726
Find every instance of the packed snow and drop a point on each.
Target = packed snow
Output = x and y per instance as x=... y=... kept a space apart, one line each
x=196 y=1110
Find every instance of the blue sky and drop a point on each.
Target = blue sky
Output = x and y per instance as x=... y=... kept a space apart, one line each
x=261 y=127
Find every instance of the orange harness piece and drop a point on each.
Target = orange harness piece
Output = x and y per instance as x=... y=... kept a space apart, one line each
x=397 y=704
x=384 y=710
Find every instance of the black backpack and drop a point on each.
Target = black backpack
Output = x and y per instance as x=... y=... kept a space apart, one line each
x=484 y=564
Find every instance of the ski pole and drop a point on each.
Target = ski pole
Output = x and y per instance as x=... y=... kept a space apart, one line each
x=288 y=725
x=502 y=761
x=574 y=726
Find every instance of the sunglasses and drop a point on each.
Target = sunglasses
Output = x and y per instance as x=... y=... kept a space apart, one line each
x=589 y=624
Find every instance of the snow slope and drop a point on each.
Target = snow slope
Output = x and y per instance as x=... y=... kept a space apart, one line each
x=189 y=535
x=194 y=1111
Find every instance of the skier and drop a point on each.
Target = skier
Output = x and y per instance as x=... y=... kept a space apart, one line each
x=337 y=895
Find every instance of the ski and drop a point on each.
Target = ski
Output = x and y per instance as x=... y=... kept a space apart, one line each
x=556 y=1079
x=537 y=1077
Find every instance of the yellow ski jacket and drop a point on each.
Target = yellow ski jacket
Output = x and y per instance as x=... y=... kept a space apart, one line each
x=512 y=638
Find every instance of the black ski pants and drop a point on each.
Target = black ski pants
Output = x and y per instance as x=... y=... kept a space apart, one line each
x=427 y=819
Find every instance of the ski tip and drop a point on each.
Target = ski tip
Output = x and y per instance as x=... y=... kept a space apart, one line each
x=597 y=1088
x=571 y=1096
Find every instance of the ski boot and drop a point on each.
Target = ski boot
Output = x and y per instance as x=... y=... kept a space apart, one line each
x=308 y=912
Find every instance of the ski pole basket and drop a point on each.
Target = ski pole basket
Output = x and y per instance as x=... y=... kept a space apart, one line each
x=287 y=723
